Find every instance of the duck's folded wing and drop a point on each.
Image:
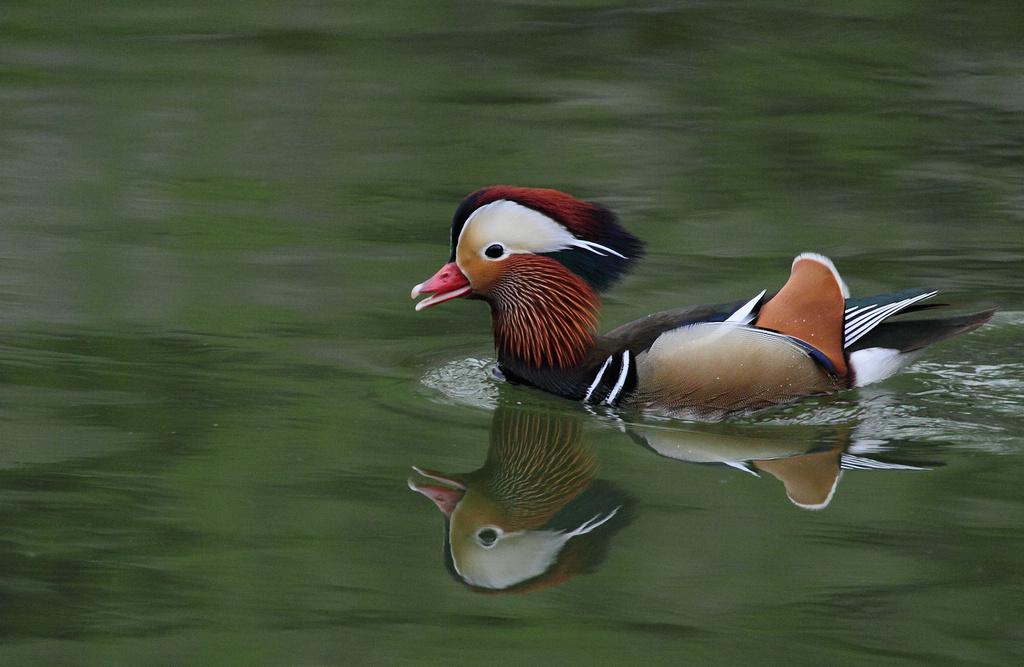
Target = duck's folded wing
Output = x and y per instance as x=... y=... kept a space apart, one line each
x=710 y=369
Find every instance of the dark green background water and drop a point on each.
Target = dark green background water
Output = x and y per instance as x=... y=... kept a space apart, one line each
x=213 y=383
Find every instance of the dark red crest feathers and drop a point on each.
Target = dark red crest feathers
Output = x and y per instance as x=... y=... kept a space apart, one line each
x=579 y=217
x=584 y=220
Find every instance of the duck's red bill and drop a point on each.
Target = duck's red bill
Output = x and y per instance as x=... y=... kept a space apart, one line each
x=448 y=283
x=445 y=497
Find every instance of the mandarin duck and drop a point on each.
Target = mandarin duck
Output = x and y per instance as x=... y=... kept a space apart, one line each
x=534 y=515
x=540 y=257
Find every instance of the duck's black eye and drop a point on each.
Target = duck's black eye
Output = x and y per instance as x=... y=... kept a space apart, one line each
x=494 y=251
x=487 y=537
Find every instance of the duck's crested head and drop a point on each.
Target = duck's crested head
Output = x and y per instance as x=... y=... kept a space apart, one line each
x=498 y=221
x=538 y=257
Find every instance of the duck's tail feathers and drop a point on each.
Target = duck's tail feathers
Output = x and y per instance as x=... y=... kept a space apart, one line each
x=889 y=346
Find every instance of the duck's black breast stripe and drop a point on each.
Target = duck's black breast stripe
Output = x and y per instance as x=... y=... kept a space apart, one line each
x=615 y=380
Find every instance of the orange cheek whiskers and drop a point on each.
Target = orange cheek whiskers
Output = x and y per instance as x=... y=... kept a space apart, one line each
x=543 y=313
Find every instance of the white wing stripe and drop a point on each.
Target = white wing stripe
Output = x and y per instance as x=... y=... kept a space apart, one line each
x=597 y=380
x=623 y=372
x=858 y=311
x=865 y=322
x=856 y=318
x=866 y=319
x=858 y=332
x=743 y=314
x=853 y=462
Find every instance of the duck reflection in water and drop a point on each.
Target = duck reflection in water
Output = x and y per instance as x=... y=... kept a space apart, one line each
x=535 y=514
x=809 y=461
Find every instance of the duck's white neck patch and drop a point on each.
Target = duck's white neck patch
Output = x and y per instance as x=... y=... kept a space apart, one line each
x=517 y=556
x=522 y=230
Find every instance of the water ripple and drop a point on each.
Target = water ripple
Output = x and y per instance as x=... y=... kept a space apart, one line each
x=466 y=382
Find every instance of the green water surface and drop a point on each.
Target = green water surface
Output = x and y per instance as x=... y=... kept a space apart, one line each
x=213 y=384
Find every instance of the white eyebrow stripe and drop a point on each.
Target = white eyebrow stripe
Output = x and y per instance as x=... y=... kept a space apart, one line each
x=597 y=379
x=590 y=524
x=596 y=248
x=623 y=372
x=524 y=230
